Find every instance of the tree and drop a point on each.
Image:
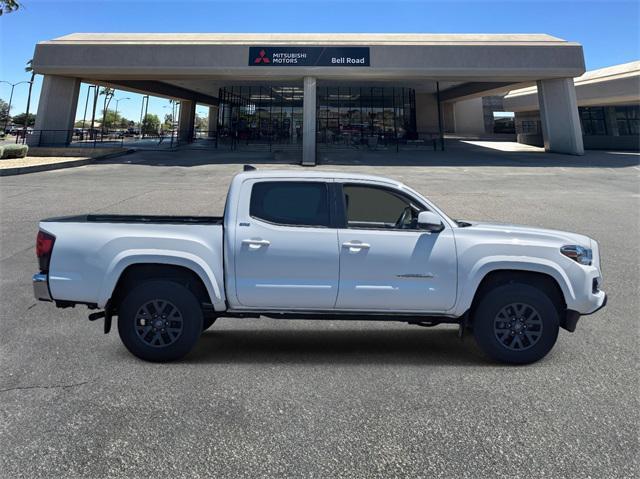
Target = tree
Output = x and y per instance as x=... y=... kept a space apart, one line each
x=8 y=6
x=150 y=124
x=124 y=123
x=168 y=122
x=4 y=111
x=29 y=69
x=202 y=123
x=111 y=119
x=20 y=119
x=108 y=95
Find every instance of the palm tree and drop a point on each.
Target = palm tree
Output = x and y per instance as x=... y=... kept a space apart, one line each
x=108 y=95
x=29 y=69
x=8 y=6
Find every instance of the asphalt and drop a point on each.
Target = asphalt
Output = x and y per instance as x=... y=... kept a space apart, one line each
x=276 y=398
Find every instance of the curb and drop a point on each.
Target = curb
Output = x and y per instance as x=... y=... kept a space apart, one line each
x=21 y=170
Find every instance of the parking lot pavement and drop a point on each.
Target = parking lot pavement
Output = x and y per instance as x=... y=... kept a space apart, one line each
x=269 y=398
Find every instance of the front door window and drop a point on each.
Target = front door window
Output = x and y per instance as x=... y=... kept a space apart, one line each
x=378 y=208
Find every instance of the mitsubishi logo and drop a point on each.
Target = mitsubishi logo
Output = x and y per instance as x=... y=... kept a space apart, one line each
x=262 y=57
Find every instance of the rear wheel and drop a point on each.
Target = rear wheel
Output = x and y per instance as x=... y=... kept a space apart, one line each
x=160 y=321
x=516 y=323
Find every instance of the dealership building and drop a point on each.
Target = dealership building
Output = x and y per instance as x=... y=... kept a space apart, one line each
x=317 y=89
x=608 y=106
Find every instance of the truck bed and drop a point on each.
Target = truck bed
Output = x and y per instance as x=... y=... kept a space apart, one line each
x=151 y=219
x=91 y=251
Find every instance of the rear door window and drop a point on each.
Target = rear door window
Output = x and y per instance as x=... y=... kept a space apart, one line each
x=291 y=203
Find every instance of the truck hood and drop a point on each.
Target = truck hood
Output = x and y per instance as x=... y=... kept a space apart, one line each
x=532 y=233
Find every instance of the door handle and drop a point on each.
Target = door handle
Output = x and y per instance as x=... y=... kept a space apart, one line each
x=256 y=243
x=351 y=244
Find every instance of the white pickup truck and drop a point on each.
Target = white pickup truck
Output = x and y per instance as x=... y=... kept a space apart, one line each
x=320 y=246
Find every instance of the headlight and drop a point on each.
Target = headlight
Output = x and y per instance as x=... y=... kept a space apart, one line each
x=577 y=253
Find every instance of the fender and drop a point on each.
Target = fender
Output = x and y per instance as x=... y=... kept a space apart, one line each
x=520 y=263
x=127 y=258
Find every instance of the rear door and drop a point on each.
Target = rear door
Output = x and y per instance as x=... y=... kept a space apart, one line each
x=386 y=261
x=286 y=252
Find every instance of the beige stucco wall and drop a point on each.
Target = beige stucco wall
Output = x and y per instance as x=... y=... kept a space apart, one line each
x=454 y=57
x=468 y=116
x=619 y=84
x=426 y=113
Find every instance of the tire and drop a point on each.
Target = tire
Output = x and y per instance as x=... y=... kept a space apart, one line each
x=141 y=326
x=207 y=323
x=516 y=323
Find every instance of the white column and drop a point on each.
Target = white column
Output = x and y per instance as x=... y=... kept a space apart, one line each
x=309 y=122
x=56 y=111
x=559 y=116
x=186 y=120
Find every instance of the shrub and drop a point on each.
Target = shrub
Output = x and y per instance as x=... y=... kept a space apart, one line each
x=1 y=151
x=14 y=151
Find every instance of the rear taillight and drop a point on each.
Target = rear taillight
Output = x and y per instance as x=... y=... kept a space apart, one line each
x=44 y=247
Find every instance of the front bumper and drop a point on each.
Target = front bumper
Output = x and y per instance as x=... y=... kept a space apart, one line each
x=41 y=287
x=570 y=321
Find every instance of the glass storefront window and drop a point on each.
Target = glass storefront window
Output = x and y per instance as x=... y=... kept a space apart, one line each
x=592 y=120
x=261 y=114
x=349 y=116
x=628 y=120
x=355 y=116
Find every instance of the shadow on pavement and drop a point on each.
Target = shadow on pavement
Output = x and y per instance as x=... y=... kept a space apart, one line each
x=412 y=346
x=457 y=153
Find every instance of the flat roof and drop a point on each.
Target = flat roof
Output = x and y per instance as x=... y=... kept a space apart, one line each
x=153 y=62
x=614 y=85
x=505 y=39
x=614 y=72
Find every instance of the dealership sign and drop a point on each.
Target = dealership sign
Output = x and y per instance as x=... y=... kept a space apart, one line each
x=309 y=56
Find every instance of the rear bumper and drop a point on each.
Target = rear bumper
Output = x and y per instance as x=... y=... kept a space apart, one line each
x=41 y=287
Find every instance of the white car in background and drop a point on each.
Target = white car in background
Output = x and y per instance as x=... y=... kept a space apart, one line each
x=320 y=245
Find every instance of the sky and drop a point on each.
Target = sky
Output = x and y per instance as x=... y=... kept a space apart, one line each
x=608 y=30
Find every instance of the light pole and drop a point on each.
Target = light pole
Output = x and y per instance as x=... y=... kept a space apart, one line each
x=13 y=85
x=118 y=100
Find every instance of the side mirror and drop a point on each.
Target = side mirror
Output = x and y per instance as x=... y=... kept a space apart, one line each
x=430 y=221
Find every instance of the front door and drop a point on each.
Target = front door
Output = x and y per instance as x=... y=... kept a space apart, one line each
x=286 y=253
x=386 y=261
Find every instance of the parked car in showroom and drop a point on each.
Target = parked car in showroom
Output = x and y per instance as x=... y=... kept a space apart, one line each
x=319 y=245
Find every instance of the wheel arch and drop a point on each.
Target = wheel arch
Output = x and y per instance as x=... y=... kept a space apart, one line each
x=128 y=270
x=491 y=269
x=499 y=277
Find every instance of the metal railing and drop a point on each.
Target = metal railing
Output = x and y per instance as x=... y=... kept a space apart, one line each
x=78 y=138
x=225 y=140
x=415 y=141
x=248 y=140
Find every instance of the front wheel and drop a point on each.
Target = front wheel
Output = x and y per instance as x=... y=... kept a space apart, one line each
x=516 y=323
x=160 y=321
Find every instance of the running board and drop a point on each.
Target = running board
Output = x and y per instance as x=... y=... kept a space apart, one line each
x=412 y=318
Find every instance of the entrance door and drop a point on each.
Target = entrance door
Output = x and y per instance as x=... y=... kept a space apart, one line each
x=286 y=252
x=386 y=262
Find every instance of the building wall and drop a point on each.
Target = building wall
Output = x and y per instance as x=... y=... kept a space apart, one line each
x=448 y=118
x=426 y=113
x=528 y=128
x=529 y=132
x=491 y=104
x=469 y=117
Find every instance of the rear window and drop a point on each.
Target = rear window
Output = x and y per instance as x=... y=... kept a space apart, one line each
x=291 y=203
